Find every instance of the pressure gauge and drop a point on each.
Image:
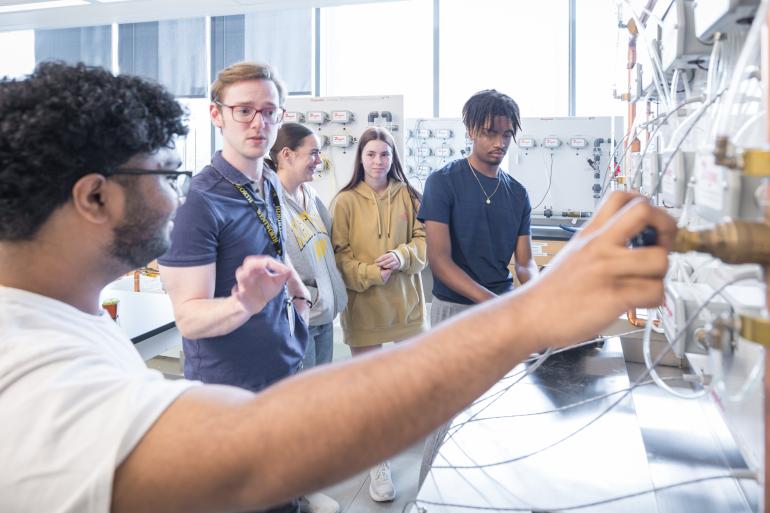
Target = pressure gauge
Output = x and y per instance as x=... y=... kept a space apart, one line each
x=342 y=141
x=526 y=143
x=342 y=116
x=578 y=143
x=317 y=117
x=293 y=117
x=551 y=142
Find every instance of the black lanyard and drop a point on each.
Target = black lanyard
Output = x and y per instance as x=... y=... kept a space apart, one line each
x=275 y=237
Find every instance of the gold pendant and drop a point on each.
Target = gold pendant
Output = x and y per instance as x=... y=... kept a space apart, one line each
x=489 y=201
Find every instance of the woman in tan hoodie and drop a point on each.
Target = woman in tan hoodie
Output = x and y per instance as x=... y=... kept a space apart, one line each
x=380 y=249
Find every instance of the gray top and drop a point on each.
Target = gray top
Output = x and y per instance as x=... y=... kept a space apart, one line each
x=308 y=244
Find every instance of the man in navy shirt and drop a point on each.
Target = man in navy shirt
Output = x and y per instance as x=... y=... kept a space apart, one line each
x=235 y=330
x=476 y=218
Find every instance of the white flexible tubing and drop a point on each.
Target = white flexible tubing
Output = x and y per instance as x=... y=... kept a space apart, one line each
x=715 y=52
x=658 y=76
x=748 y=124
x=684 y=125
x=689 y=195
x=748 y=385
x=750 y=48
x=674 y=83
x=648 y=361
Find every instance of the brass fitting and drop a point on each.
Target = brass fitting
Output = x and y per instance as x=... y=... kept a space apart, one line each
x=756 y=329
x=751 y=162
x=755 y=162
x=724 y=153
x=631 y=27
x=734 y=242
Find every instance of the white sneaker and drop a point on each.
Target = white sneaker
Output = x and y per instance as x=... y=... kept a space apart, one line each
x=318 y=503
x=381 y=487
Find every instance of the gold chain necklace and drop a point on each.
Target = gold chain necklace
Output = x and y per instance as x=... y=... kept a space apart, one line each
x=488 y=196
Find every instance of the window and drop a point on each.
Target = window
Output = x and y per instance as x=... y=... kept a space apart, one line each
x=518 y=48
x=282 y=38
x=380 y=48
x=90 y=45
x=171 y=52
x=227 y=42
x=600 y=59
x=18 y=51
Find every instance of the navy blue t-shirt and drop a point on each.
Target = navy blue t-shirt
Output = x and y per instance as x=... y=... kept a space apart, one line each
x=483 y=236
x=217 y=225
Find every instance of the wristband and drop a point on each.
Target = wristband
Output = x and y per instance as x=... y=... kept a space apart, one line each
x=306 y=300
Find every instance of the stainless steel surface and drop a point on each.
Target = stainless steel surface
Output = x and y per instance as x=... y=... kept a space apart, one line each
x=549 y=232
x=647 y=440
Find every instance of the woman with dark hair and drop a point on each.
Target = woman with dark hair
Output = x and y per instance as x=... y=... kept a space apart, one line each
x=295 y=155
x=380 y=249
x=307 y=224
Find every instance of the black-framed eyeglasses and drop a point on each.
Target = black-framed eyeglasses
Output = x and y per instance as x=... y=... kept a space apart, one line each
x=247 y=113
x=179 y=180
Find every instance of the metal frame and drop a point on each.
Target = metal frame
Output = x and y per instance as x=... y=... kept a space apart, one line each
x=572 y=58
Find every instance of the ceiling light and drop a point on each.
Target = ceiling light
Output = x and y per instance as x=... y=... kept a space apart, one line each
x=51 y=4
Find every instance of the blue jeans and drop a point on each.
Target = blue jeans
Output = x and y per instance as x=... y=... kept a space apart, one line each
x=319 y=345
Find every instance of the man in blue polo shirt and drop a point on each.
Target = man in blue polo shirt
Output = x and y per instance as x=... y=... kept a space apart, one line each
x=236 y=330
x=476 y=218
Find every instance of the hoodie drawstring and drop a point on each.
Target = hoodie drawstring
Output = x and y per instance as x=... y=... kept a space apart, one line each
x=387 y=191
x=377 y=206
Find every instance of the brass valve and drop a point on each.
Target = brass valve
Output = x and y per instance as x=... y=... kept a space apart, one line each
x=734 y=242
x=749 y=161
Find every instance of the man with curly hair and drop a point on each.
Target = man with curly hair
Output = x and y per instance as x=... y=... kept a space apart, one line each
x=87 y=179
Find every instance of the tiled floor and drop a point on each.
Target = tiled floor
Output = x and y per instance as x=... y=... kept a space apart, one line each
x=353 y=494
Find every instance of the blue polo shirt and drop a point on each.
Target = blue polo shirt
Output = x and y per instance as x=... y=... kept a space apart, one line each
x=217 y=225
x=483 y=236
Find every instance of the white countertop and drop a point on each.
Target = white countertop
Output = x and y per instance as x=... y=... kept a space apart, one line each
x=141 y=314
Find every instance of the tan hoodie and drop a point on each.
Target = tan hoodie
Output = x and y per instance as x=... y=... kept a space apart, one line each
x=366 y=226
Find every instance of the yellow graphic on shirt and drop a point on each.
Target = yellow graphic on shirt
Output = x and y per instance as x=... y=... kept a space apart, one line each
x=321 y=244
x=307 y=226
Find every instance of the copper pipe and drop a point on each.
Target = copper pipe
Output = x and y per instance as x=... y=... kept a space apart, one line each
x=764 y=478
x=635 y=146
x=637 y=322
x=767 y=431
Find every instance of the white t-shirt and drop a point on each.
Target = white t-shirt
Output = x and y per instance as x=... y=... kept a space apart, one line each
x=75 y=399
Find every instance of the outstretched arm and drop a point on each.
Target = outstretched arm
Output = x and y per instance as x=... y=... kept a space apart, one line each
x=223 y=449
